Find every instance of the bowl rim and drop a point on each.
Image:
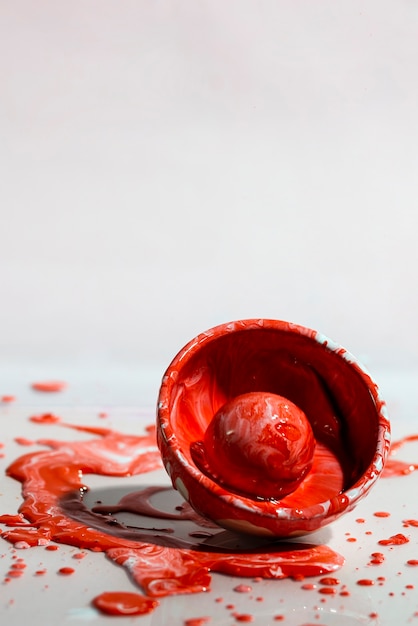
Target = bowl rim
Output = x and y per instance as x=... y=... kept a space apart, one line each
x=345 y=500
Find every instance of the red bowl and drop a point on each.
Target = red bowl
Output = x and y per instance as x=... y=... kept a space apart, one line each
x=337 y=395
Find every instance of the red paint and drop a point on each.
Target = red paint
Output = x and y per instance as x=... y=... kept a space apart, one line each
x=308 y=586
x=243 y=588
x=377 y=558
x=410 y=522
x=45 y=418
x=365 y=582
x=23 y=441
x=394 y=540
x=329 y=580
x=381 y=514
x=66 y=571
x=158 y=561
x=328 y=591
x=339 y=399
x=244 y=617
x=124 y=603
x=413 y=562
x=258 y=444
x=49 y=386
x=8 y=399
x=196 y=621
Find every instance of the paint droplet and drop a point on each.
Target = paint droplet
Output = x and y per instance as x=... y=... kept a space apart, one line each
x=49 y=386
x=8 y=399
x=124 y=603
x=394 y=540
x=329 y=580
x=66 y=571
x=365 y=582
x=381 y=514
x=45 y=418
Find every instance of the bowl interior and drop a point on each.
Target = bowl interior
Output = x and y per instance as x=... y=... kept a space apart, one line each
x=333 y=392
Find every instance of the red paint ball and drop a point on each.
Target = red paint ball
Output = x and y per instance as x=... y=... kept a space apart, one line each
x=395 y=540
x=351 y=539
x=381 y=514
x=49 y=386
x=124 y=603
x=360 y=520
x=258 y=444
x=413 y=562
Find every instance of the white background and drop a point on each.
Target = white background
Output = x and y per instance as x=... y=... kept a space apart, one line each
x=167 y=166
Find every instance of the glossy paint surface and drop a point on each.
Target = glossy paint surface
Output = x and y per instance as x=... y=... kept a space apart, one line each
x=341 y=402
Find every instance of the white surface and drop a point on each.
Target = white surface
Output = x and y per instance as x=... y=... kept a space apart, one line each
x=167 y=166
x=53 y=599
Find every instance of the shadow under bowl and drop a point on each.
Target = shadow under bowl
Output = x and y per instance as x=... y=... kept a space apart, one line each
x=338 y=396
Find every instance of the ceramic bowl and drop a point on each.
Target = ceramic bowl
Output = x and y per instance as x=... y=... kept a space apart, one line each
x=337 y=395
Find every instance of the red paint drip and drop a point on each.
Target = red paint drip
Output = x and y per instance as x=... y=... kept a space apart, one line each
x=394 y=540
x=365 y=582
x=381 y=514
x=49 y=386
x=160 y=563
x=394 y=467
x=23 y=441
x=413 y=562
x=124 y=603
